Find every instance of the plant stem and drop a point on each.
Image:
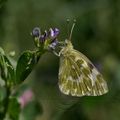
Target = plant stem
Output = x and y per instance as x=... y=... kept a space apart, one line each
x=6 y=103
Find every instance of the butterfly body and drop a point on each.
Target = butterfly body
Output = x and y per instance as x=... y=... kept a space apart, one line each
x=77 y=75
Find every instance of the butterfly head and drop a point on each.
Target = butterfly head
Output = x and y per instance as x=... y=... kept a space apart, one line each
x=66 y=48
x=68 y=44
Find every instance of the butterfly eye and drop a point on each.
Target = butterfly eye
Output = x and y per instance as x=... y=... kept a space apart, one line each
x=66 y=42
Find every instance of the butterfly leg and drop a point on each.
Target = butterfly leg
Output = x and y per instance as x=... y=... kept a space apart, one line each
x=57 y=54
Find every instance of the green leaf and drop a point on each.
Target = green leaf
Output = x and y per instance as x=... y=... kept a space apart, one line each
x=2 y=93
x=7 y=70
x=11 y=71
x=3 y=67
x=31 y=110
x=14 y=109
x=2 y=82
x=25 y=64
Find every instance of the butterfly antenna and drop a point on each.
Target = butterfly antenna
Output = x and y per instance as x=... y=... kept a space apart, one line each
x=72 y=29
x=68 y=32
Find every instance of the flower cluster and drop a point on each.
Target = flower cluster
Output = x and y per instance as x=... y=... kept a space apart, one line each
x=48 y=39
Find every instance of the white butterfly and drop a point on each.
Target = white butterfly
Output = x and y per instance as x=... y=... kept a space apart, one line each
x=77 y=75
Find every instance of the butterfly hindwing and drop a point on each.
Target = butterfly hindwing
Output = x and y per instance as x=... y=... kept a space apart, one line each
x=79 y=77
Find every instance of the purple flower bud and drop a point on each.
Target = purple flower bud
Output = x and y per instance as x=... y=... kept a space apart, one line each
x=53 y=44
x=53 y=33
x=49 y=36
x=44 y=36
x=56 y=31
x=36 y=32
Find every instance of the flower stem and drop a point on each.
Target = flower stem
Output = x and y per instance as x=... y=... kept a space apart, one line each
x=5 y=104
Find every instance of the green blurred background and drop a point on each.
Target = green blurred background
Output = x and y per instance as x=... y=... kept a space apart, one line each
x=96 y=34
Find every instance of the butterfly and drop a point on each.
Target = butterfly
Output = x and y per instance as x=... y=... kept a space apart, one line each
x=77 y=75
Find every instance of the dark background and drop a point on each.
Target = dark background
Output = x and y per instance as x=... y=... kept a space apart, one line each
x=96 y=34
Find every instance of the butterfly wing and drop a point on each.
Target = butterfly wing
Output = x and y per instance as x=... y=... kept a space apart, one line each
x=79 y=77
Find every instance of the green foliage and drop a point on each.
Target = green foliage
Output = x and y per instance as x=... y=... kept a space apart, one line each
x=10 y=78
x=3 y=65
x=10 y=71
x=2 y=93
x=7 y=70
x=13 y=109
x=28 y=114
x=2 y=2
x=25 y=65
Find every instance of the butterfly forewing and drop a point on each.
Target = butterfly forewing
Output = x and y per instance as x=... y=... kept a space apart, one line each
x=78 y=76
